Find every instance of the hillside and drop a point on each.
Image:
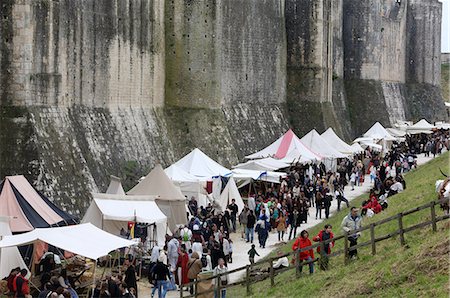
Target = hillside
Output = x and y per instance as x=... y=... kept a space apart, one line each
x=445 y=81
x=421 y=266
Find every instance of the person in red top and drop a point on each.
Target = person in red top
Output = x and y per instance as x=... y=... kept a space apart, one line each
x=325 y=234
x=373 y=204
x=20 y=285
x=308 y=255
x=183 y=259
x=10 y=281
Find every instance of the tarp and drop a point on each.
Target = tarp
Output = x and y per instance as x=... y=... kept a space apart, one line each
x=336 y=142
x=112 y=212
x=10 y=256
x=201 y=165
x=230 y=192
x=28 y=208
x=289 y=148
x=263 y=164
x=115 y=186
x=378 y=132
x=421 y=126
x=84 y=239
x=169 y=197
x=318 y=144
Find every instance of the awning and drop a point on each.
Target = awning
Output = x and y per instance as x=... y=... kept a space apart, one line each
x=84 y=239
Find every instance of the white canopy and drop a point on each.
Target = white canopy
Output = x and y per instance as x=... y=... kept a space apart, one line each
x=395 y=132
x=84 y=239
x=115 y=186
x=175 y=173
x=378 y=132
x=287 y=148
x=442 y=125
x=201 y=165
x=263 y=164
x=336 y=142
x=247 y=175
x=230 y=192
x=318 y=144
x=357 y=148
x=423 y=126
x=9 y=256
x=168 y=197
x=113 y=212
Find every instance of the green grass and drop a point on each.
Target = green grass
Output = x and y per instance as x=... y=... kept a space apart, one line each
x=445 y=81
x=422 y=267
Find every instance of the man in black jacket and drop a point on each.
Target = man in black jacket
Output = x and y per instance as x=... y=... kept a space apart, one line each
x=250 y=230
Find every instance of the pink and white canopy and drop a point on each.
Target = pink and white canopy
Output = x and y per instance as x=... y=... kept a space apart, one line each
x=289 y=146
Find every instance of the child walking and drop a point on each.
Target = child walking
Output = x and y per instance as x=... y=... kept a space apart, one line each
x=251 y=254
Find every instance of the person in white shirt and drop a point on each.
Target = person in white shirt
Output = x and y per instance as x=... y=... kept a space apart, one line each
x=221 y=269
x=353 y=180
x=186 y=237
x=155 y=254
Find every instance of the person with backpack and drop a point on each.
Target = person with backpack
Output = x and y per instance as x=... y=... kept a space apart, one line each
x=20 y=285
x=186 y=237
x=206 y=260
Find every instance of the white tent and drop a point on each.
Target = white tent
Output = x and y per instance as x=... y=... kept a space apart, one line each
x=244 y=176
x=230 y=192
x=288 y=148
x=395 y=132
x=337 y=143
x=168 y=197
x=10 y=256
x=201 y=165
x=365 y=142
x=263 y=164
x=442 y=125
x=421 y=127
x=378 y=132
x=84 y=239
x=357 y=148
x=115 y=186
x=111 y=213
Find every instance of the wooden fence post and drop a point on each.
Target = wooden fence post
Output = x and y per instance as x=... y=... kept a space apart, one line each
x=219 y=286
x=372 y=238
x=181 y=292
x=433 y=216
x=346 y=248
x=247 y=277
x=297 y=263
x=400 y=226
x=195 y=288
x=322 y=255
x=272 y=273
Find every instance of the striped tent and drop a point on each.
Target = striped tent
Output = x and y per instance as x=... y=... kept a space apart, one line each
x=27 y=208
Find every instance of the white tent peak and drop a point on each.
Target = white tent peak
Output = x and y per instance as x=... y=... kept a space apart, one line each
x=378 y=132
x=175 y=173
x=115 y=186
x=9 y=257
x=317 y=143
x=334 y=140
x=201 y=165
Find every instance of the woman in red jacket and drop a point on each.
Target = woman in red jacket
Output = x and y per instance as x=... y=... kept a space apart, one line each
x=308 y=255
x=325 y=234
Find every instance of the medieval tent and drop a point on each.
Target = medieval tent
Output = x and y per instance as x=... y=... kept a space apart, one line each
x=263 y=164
x=9 y=257
x=230 y=192
x=201 y=165
x=421 y=127
x=168 y=197
x=357 y=148
x=27 y=208
x=111 y=213
x=288 y=148
x=115 y=186
x=337 y=143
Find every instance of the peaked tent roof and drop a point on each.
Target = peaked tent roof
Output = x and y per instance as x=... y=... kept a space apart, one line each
x=84 y=239
x=378 y=132
x=357 y=148
x=115 y=186
x=336 y=142
x=422 y=126
x=314 y=141
x=231 y=192
x=201 y=165
x=9 y=257
x=175 y=173
x=263 y=164
x=28 y=208
x=287 y=146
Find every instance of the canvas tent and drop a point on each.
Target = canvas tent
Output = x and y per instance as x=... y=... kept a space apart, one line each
x=27 y=208
x=10 y=256
x=357 y=148
x=230 y=192
x=113 y=212
x=84 y=239
x=421 y=126
x=287 y=148
x=395 y=132
x=115 y=186
x=201 y=165
x=168 y=197
x=263 y=164
x=378 y=132
x=244 y=176
x=337 y=143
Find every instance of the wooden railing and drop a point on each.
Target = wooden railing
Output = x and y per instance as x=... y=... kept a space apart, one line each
x=372 y=243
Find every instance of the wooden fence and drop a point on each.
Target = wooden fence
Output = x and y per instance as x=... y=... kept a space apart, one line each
x=297 y=266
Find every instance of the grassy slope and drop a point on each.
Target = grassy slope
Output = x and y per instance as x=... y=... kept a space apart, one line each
x=394 y=270
x=445 y=81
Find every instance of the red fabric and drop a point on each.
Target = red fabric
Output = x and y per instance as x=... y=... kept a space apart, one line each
x=374 y=205
x=319 y=238
x=209 y=186
x=25 y=288
x=10 y=282
x=183 y=260
x=302 y=243
x=285 y=144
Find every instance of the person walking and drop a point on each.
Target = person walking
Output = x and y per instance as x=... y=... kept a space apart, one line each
x=250 y=230
x=340 y=198
x=308 y=255
x=223 y=279
x=251 y=254
x=243 y=220
x=194 y=268
x=160 y=274
x=351 y=222
x=293 y=220
x=281 y=226
x=324 y=235
x=234 y=212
